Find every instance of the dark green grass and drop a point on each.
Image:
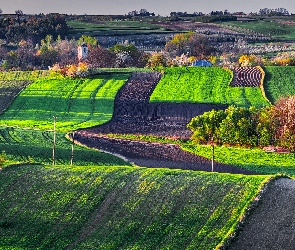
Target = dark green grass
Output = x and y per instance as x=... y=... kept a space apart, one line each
x=204 y=85
x=120 y=207
x=77 y=103
x=36 y=146
x=279 y=81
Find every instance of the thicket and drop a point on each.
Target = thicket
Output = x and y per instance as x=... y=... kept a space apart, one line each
x=248 y=126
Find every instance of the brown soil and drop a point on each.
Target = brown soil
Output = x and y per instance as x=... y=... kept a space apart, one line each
x=154 y=155
x=271 y=224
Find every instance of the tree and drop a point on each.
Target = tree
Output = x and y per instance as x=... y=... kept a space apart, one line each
x=128 y=56
x=156 y=60
x=100 y=57
x=284 y=120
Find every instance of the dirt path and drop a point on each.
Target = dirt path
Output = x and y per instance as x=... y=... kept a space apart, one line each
x=272 y=223
x=154 y=155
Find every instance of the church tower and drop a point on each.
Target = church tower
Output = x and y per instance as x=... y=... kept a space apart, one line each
x=82 y=52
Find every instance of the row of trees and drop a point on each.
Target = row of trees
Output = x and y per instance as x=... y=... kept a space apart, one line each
x=23 y=27
x=248 y=127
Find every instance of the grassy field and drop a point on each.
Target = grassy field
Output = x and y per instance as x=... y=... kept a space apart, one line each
x=254 y=159
x=266 y=27
x=204 y=85
x=279 y=81
x=109 y=28
x=120 y=207
x=77 y=103
x=35 y=146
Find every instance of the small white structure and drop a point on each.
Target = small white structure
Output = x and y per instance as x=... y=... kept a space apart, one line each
x=82 y=52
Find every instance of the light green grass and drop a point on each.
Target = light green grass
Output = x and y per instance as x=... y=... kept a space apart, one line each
x=76 y=103
x=204 y=85
x=120 y=207
x=254 y=159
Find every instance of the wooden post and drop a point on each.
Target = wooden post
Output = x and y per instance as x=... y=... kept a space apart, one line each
x=73 y=142
x=54 y=140
x=212 y=168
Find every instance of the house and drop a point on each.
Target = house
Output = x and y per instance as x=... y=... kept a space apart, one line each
x=202 y=63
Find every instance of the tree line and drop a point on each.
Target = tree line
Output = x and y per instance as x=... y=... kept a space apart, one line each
x=15 y=28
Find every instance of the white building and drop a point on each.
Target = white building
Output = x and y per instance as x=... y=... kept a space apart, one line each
x=82 y=52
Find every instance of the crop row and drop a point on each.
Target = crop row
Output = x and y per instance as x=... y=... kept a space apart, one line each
x=9 y=90
x=205 y=85
x=54 y=207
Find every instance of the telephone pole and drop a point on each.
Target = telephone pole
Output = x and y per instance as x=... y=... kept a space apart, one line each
x=54 y=140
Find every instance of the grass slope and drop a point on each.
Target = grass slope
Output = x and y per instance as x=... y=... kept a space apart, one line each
x=35 y=146
x=76 y=103
x=204 y=85
x=120 y=207
x=279 y=81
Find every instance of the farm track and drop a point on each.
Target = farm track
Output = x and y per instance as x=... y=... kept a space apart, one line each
x=133 y=114
x=154 y=155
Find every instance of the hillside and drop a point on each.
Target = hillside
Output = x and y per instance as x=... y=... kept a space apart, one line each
x=119 y=207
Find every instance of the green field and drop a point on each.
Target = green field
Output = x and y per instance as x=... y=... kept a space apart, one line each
x=266 y=27
x=120 y=207
x=204 y=85
x=35 y=146
x=109 y=28
x=279 y=81
x=254 y=159
x=76 y=103
x=102 y=202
